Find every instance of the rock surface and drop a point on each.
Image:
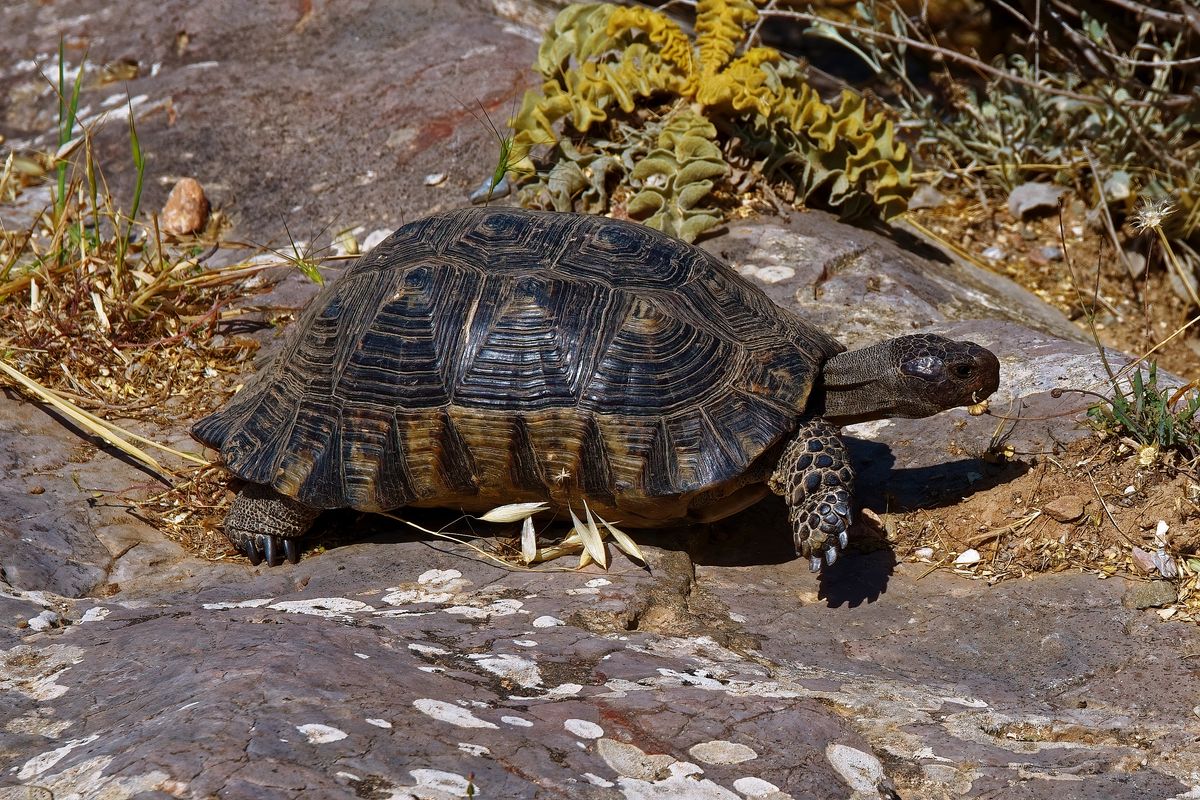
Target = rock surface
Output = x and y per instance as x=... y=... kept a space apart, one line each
x=402 y=666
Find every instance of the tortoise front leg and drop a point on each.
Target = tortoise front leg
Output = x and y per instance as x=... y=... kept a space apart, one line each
x=814 y=477
x=264 y=524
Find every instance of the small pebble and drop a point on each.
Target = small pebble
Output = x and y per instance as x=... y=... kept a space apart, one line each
x=926 y=197
x=925 y=553
x=967 y=557
x=1067 y=508
x=993 y=253
x=1053 y=253
x=1030 y=199
x=487 y=192
x=1136 y=262
x=186 y=210
x=1150 y=594
x=1142 y=559
x=435 y=178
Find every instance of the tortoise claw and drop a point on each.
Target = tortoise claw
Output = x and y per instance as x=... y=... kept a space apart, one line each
x=271 y=550
x=250 y=548
x=814 y=563
x=291 y=551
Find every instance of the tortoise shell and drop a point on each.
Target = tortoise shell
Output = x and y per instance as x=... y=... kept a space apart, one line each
x=496 y=355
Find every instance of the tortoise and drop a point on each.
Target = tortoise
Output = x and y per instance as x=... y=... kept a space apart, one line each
x=487 y=356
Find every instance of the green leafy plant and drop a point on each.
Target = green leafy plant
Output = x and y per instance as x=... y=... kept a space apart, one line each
x=626 y=84
x=1152 y=416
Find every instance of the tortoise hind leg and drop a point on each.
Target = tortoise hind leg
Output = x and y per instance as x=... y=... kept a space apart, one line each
x=815 y=479
x=264 y=524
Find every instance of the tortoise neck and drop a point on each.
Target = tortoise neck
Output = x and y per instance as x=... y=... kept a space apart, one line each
x=853 y=387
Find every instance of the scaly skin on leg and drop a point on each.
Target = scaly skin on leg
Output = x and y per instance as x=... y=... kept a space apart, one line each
x=815 y=478
x=265 y=524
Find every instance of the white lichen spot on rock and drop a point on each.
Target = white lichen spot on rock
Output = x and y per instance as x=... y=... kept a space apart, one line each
x=688 y=679
x=261 y=601
x=547 y=621
x=754 y=788
x=87 y=779
x=316 y=733
x=555 y=692
x=584 y=729
x=596 y=583
x=38 y=722
x=33 y=673
x=436 y=586
x=682 y=780
x=631 y=761
x=956 y=781
x=331 y=607
x=448 y=782
x=596 y=780
x=448 y=712
x=44 y=621
x=719 y=751
x=519 y=722
x=95 y=614
x=44 y=761
x=861 y=771
x=438 y=577
x=769 y=274
x=473 y=749
x=969 y=702
x=379 y=723
x=867 y=430
x=519 y=670
x=363 y=656
x=524 y=642
x=428 y=649
x=504 y=607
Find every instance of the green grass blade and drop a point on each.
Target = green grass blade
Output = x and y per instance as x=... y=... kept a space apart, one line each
x=139 y=162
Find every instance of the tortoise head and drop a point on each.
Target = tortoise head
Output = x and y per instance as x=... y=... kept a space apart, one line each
x=911 y=376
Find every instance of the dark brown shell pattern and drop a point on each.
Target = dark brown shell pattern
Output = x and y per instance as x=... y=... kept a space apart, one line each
x=490 y=356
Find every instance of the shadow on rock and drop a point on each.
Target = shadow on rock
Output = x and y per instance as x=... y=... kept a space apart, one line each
x=882 y=487
x=857 y=578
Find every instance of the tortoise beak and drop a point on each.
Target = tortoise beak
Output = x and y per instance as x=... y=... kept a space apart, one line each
x=987 y=372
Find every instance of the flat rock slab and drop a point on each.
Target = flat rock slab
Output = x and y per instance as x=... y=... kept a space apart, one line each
x=393 y=668
x=397 y=667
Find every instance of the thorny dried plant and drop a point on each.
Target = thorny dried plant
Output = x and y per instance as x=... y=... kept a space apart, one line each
x=1104 y=98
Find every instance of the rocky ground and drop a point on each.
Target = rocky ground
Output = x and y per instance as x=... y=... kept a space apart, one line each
x=401 y=666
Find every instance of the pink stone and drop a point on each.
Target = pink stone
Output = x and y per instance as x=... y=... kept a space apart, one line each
x=186 y=210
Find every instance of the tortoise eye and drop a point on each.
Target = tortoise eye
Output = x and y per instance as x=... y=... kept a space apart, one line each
x=963 y=370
